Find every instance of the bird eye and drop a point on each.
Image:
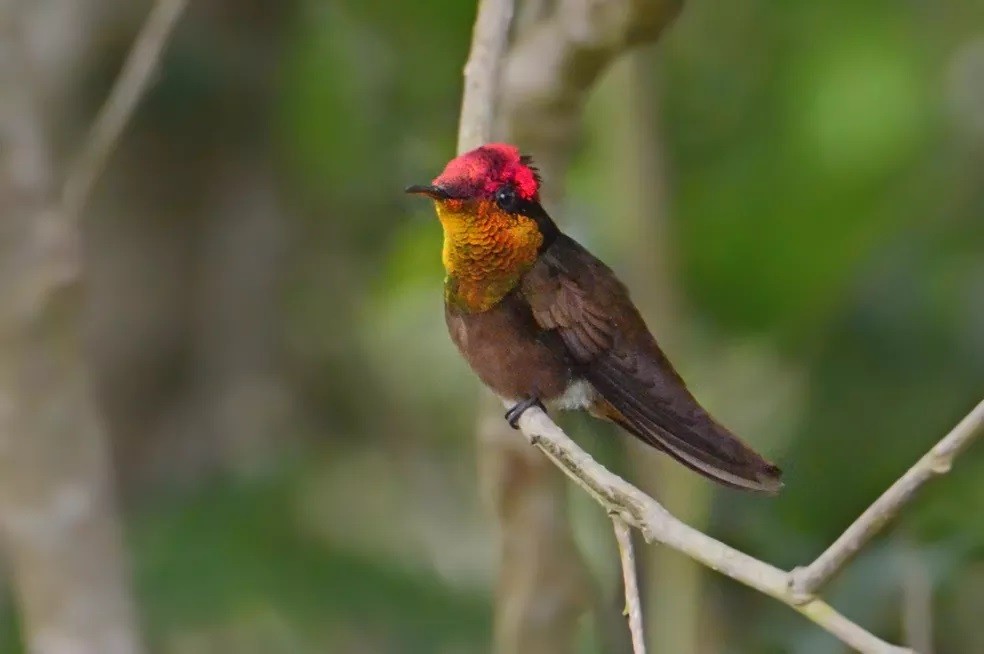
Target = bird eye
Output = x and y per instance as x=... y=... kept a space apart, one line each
x=506 y=198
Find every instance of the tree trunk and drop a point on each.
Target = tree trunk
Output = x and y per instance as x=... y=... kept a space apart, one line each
x=58 y=517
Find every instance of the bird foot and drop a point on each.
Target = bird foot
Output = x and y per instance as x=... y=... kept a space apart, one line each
x=512 y=415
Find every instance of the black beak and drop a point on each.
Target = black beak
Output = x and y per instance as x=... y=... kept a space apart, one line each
x=435 y=192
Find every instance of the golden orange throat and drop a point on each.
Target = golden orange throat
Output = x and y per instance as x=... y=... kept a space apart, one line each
x=486 y=251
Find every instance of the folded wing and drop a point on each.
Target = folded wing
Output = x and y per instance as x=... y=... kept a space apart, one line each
x=577 y=296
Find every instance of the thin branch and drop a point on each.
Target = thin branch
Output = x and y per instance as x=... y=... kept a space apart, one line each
x=131 y=84
x=938 y=461
x=633 y=606
x=569 y=58
x=554 y=64
x=490 y=38
x=916 y=583
x=657 y=524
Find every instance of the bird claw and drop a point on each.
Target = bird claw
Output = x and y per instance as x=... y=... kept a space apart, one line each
x=513 y=415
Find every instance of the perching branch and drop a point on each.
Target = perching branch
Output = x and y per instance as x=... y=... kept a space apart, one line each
x=571 y=45
x=633 y=607
x=657 y=524
x=938 y=461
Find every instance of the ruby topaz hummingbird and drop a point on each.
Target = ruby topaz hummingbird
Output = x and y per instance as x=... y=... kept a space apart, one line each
x=543 y=322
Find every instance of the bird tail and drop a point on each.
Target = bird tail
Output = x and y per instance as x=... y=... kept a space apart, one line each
x=702 y=445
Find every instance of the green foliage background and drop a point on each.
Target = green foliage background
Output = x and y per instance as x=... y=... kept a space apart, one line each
x=825 y=166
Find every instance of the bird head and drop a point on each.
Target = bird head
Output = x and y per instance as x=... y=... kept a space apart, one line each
x=494 y=172
x=488 y=202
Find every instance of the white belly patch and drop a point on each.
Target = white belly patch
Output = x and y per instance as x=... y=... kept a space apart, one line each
x=579 y=395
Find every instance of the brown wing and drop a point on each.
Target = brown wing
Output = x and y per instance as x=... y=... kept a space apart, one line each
x=576 y=295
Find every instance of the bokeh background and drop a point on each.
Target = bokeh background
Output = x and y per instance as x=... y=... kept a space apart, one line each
x=293 y=431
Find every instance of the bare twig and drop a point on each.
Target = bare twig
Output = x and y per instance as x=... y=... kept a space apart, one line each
x=633 y=607
x=488 y=49
x=134 y=79
x=938 y=461
x=657 y=524
x=917 y=599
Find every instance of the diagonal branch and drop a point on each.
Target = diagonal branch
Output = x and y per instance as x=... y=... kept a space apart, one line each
x=936 y=462
x=134 y=79
x=657 y=524
x=571 y=46
x=59 y=242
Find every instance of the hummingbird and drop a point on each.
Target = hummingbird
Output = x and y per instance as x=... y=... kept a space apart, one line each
x=545 y=323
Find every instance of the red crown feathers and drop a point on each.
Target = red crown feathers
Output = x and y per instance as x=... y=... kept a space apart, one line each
x=483 y=170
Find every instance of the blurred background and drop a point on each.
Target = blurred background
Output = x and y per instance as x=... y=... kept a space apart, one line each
x=794 y=191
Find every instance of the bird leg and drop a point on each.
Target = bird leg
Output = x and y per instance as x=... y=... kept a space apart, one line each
x=512 y=415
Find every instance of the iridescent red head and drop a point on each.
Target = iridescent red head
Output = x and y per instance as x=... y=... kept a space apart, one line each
x=494 y=227
x=481 y=172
